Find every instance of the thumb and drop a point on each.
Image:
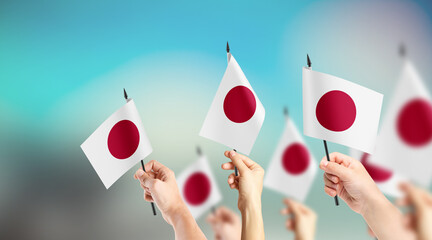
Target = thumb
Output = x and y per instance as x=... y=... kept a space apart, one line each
x=414 y=194
x=147 y=180
x=335 y=169
x=295 y=207
x=238 y=161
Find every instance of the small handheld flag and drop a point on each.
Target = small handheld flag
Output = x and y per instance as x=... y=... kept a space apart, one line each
x=198 y=187
x=236 y=114
x=406 y=132
x=292 y=168
x=117 y=144
x=337 y=110
x=142 y=162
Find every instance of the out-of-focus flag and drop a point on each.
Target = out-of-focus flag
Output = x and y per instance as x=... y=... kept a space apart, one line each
x=292 y=168
x=404 y=143
x=386 y=180
x=117 y=144
x=236 y=114
x=198 y=187
x=340 y=111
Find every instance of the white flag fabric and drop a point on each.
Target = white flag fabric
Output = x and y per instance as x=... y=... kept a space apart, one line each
x=117 y=144
x=292 y=168
x=404 y=143
x=386 y=180
x=236 y=114
x=340 y=111
x=198 y=187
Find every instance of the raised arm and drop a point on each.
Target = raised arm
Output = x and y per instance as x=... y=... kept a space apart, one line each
x=347 y=178
x=249 y=185
x=160 y=186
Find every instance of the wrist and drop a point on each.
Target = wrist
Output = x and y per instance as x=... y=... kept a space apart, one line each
x=252 y=203
x=176 y=214
x=252 y=221
x=374 y=202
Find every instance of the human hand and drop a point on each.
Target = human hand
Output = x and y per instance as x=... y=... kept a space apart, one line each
x=225 y=223
x=249 y=181
x=420 y=219
x=160 y=186
x=302 y=220
x=347 y=178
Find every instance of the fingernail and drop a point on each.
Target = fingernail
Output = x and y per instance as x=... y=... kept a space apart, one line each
x=140 y=173
x=325 y=163
x=232 y=153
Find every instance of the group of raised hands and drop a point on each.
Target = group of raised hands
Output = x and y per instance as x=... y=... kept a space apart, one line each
x=343 y=176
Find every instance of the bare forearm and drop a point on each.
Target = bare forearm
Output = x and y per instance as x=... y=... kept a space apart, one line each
x=252 y=222
x=385 y=220
x=185 y=226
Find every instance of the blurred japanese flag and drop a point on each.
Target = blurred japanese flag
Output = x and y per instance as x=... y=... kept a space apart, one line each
x=117 y=144
x=292 y=168
x=236 y=114
x=198 y=187
x=404 y=142
x=386 y=180
x=340 y=111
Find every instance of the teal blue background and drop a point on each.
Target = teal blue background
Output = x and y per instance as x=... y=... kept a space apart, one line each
x=63 y=65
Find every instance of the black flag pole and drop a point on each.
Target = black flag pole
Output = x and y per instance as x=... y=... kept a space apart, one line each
x=152 y=203
x=235 y=168
x=142 y=162
x=336 y=199
x=402 y=50
x=285 y=112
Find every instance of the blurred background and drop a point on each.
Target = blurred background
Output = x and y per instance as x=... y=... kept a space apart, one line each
x=63 y=66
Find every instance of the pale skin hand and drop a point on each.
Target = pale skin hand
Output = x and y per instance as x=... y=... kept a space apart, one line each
x=420 y=220
x=301 y=220
x=347 y=178
x=160 y=186
x=249 y=184
x=225 y=223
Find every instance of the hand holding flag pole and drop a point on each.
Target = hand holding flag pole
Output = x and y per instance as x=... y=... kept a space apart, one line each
x=142 y=162
x=336 y=199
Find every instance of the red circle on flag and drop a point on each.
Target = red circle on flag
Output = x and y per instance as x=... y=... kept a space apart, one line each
x=336 y=111
x=414 y=122
x=123 y=139
x=197 y=188
x=378 y=174
x=295 y=158
x=239 y=104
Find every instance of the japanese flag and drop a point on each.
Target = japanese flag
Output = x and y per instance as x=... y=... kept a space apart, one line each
x=386 y=180
x=198 y=187
x=236 y=114
x=340 y=111
x=292 y=168
x=404 y=143
x=118 y=144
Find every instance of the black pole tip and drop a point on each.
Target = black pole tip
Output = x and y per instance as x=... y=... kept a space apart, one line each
x=285 y=111
x=198 y=149
x=309 y=63
x=227 y=48
x=402 y=50
x=125 y=94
